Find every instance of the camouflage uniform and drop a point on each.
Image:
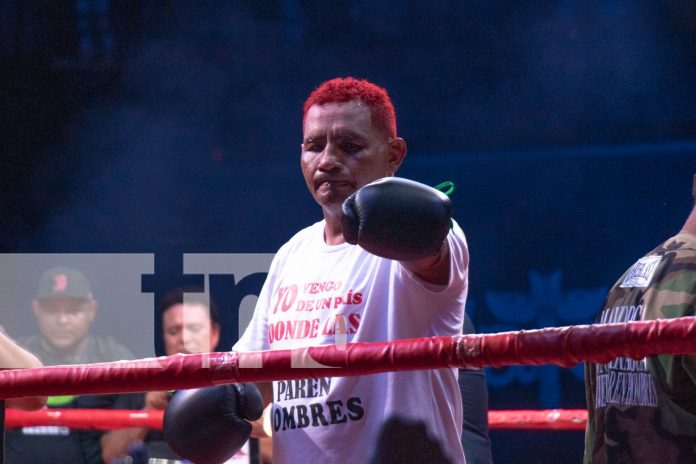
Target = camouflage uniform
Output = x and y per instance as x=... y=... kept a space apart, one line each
x=644 y=411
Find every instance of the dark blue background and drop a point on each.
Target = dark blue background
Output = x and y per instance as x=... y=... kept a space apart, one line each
x=173 y=127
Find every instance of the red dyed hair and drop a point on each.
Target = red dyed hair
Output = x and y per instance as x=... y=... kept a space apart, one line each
x=346 y=89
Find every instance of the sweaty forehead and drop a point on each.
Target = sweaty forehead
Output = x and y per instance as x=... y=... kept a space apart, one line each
x=337 y=117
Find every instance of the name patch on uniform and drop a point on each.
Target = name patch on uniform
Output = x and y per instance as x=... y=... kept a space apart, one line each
x=641 y=273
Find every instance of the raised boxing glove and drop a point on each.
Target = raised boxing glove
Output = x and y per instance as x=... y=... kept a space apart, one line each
x=208 y=425
x=397 y=218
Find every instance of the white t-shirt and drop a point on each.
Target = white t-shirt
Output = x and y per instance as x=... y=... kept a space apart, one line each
x=317 y=294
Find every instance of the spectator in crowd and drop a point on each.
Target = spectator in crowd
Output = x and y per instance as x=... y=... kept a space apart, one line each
x=643 y=411
x=190 y=324
x=65 y=310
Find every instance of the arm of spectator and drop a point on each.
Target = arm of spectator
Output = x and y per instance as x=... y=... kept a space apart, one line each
x=115 y=443
x=475 y=435
x=13 y=356
x=474 y=389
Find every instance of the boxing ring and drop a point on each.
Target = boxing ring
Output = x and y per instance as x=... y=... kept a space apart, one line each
x=563 y=346
x=101 y=419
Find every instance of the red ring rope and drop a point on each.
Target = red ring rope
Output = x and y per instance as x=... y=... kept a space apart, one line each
x=549 y=419
x=104 y=419
x=85 y=419
x=565 y=346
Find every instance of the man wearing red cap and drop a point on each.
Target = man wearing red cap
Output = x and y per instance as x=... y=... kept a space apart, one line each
x=65 y=310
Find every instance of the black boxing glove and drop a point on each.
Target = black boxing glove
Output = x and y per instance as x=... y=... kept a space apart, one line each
x=208 y=425
x=397 y=218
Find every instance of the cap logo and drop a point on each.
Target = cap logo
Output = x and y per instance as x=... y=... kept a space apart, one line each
x=60 y=282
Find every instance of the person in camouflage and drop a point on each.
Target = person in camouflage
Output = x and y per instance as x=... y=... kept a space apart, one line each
x=644 y=411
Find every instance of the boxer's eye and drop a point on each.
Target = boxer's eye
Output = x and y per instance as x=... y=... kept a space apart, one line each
x=350 y=147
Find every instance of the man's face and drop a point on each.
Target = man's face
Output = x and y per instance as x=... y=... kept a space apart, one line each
x=188 y=329
x=342 y=151
x=64 y=322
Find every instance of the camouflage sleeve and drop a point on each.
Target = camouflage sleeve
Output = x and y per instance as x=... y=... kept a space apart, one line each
x=672 y=293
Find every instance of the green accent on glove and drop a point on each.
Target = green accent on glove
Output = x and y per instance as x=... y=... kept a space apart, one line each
x=449 y=185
